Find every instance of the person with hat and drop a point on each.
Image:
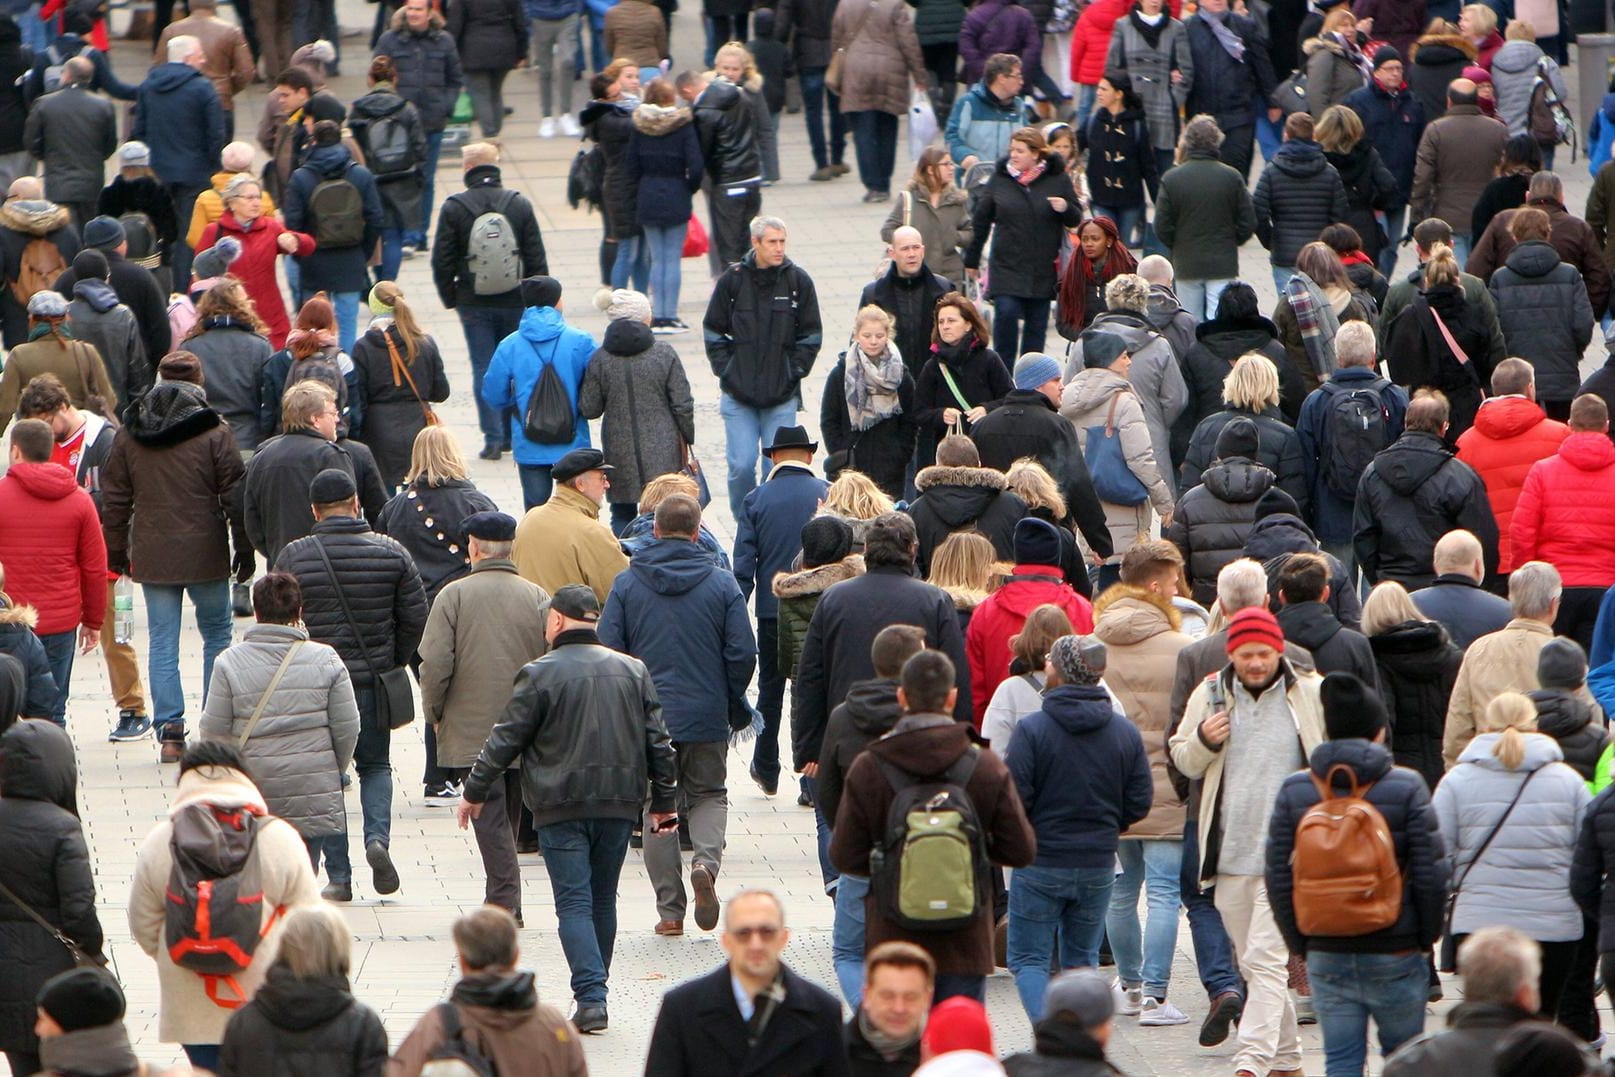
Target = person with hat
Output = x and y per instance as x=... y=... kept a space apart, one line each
x=52 y=349
x=1393 y=116
x=466 y=665
x=584 y=779
x=144 y=205
x=562 y=540
x=183 y=154
x=956 y=1026
x=1244 y=729
x=26 y=217
x=72 y=132
x=1070 y=1041
x=827 y=558
x=80 y=1027
x=227 y=61
x=372 y=609
x=1381 y=974
x=99 y=318
x=134 y=284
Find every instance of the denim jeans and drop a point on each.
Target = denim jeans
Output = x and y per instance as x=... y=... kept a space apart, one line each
x=60 y=647
x=721 y=29
x=334 y=849
x=434 y=150
x=202 y=1055
x=392 y=254
x=1269 y=135
x=815 y=94
x=1086 y=96
x=874 y=140
x=623 y=513
x=827 y=870
x=1395 y=223
x=484 y=328
x=1348 y=989
x=746 y=430
x=665 y=247
x=957 y=985
x=1281 y=277
x=1129 y=221
x=1019 y=326
x=1199 y=297
x=633 y=262
x=1213 y=952
x=164 y=604
x=346 y=305
x=372 y=760
x=770 y=699
x=847 y=938
x=1049 y=903
x=584 y=858
x=1461 y=246
x=536 y=484
x=36 y=33
x=1145 y=959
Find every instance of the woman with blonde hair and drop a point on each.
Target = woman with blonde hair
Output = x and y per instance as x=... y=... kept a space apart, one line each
x=640 y=531
x=1335 y=65
x=734 y=63
x=1022 y=692
x=854 y=497
x=1510 y=813
x=964 y=565
x=867 y=412
x=399 y=375
x=1418 y=665
x=935 y=204
x=1251 y=391
x=1031 y=482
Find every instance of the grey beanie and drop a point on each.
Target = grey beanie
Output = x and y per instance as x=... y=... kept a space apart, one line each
x=1561 y=664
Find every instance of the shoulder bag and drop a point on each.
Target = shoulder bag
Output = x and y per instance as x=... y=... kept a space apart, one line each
x=838 y=62
x=395 y=702
x=81 y=959
x=1112 y=479
x=402 y=368
x=1449 y=947
x=274 y=683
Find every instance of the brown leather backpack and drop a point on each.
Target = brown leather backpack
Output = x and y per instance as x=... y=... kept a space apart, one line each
x=1346 y=880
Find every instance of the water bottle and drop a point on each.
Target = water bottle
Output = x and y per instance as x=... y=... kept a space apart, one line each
x=123 y=610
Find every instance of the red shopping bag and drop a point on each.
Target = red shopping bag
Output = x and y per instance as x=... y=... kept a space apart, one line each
x=695 y=239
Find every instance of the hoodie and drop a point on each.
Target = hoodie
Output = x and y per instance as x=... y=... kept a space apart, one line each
x=183 y=153
x=1414 y=492
x=1569 y=720
x=500 y=1011
x=1062 y=1049
x=1001 y=616
x=295 y=1025
x=1565 y=514
x=1297 y=196
x=1601 y=135
x=51 y=545
x=867 y=714
x=1276 y=535
x=542 y=338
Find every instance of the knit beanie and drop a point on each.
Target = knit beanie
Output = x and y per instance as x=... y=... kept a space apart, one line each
x=958 y=1024
x=1078 y=659
x=1037 y=542
x=1254 y=625
x=1274 y=502
x=1350 y=709
x=1561 y=664
x=81 y=998
x=825 y=540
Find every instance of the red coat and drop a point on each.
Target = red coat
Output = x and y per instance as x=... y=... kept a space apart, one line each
x=1090 y=38
x=1510 y=434
x=51 y=545
x=255 y=269
x=1566 y=514
x=998 y=619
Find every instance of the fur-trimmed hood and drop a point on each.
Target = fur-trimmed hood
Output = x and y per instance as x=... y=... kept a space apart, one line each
x=965 y=598
x=14 y=614
x=1126 y=614
x=937 y=475
x=658 y=120
x=1456 y=42
x=814 y=581
x=33 y=216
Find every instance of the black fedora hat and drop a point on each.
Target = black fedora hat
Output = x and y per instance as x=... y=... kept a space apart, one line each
x=792 y=437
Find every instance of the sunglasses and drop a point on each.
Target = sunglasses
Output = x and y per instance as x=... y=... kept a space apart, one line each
x=765 y=933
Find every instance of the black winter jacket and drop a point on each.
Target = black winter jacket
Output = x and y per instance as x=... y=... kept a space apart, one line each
x=428 y=66
x=400 y=191
x=1546 y=317
x=1418 y=665
x=275 y=493
x=1276 y=536
x=491 y=35
x=865 y=1061
x=1465 y=1047
x=439 y=550
x=1335 y=648
x=1401 y=797
x=699 y=1030
x=483 y=192
x=18 y=640
x=292 y=1027
x=1577 y=724
x=867 y=714
x=723 y=121
x=598 y=762
x=1508 y=191
x=911 y=301
x=1062 y=1049
x=1595 y=856
x=137 y=289
x=883 y=451
x=964 y=499
x=762 y=331
x=1026 y=232
x=982 y=377
x=611 y=124
x=329 y=268
x=1218 y=345
x=1297 y=197
x=1213 y=520
x=1278 y=450
x=1414 y=492
x=382 y=587
x=1369 y=186
x=1224 y=86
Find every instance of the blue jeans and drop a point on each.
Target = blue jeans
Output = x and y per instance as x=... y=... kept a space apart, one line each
x=1019 y=326
x=1348 y=989
x=746 y=430
x=334 y=848
x=164 y=604
x=874 y=140
x=1129 y=221
x=1461 y=246
x=1145 y=959
x=1269 y=135
x=814 y=94
x=1045 y=903
x=584 y=858
x=484 y=328
x=392 y=254
x=959 y=984
x=35 y=33
x=346 y=305
x=1086 y=96
x=666 y=249
x=847 y=938
x=633 y=261
x=721 y=29
x=203 y=1055
x=372 y=760
x=536 y=484
x=1281 y=277
x=60 y=647
x=1199 y=297
x=827 y=870
x=434 y=150
x=1395 y=223
x=1213 y=950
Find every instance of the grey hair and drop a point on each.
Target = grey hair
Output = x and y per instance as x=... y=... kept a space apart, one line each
x=1533 y=588
x=1547 y=184
x=238 y=184
x=315 y=942
x=762 y=225
x=1354 y=344
x=1201 y=135
x=1496 y=962
x=1241 y=585
x=181 y=47
x=1128 y=291
x=1156 y=269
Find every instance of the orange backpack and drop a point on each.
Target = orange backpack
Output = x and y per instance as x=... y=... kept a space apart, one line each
x=41 y=263
x=1346 y=880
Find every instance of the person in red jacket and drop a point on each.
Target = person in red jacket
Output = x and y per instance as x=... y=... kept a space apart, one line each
x=1511 y=433
x=263 y=240
x=1566 y=517
x=53 y=552
x=1090 y=44
x=1036 y=581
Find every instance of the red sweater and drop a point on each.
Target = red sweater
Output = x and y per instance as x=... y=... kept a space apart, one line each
x=51 y=545
x=1566 y=514
x=1510 y=434
x=997 y=620
x=255 y=269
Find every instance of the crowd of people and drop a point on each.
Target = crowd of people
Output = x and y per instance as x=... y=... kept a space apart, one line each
x=1297 y=624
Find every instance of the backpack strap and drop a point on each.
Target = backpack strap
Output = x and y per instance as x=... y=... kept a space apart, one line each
x=448 y=1016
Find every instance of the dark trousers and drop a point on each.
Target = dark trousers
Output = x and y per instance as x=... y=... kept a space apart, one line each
x=537 y=484
x=432 y=775
x=249 y=29
x=273 y=21
x=874 y=139
x=184 y=201
x=731 y=210
x=484 y=328
x=949 y=984
x=1019 y=325
x=942 y=64
x=770 y=700
x=24 y=1061
x=1578 y=1006
x=1556 y=409
x=1557 y=960
x=1213 y=951
x=815 y=94
x=722 y=29
x=495 y=830
x=1578 y=614
x=60 y=648
x=1238 y=144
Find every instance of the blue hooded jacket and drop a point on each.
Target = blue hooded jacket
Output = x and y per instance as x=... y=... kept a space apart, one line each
x=542 y=337
x=184 y=153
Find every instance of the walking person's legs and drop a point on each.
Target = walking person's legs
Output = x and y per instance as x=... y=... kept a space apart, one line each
x=60 y=647
x=1268 y=1035
x=123 y=669
x=1034 y=918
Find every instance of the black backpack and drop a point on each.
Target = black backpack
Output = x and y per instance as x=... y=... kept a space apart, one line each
x=931 y=872
x=454 y=1056
x=336 y=212
x=1356 y=429
x=141 y=235
x=213 y=913
x=387 y=147
x=549 y=419
x=586 y=179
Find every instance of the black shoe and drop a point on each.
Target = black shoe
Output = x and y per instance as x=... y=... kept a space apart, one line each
x=1225 y=1011
x=241 y=599
x=769 y=788
x=636 y=839
x=337 y=892
x=520 y=923
x=383 y=876
x=590 y=1019
x=527 y=845
x=504 y=446
x=803 y=800
x=171 y=742
x=490 y=452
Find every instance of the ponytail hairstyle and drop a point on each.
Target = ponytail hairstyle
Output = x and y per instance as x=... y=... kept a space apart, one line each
x=1513 y=715
x=316 y=316
x=409 y=330
x=1442 y=268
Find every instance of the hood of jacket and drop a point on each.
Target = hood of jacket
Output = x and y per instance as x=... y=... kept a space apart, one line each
x=36 y=763
x=959 y=494
x=1504 y=417
x=97 y=293
x=1237 y=480
x=1162 y=306
x=1126 y=614
x=1311 y=624
x=1533 y=258
x=1412 y=461
x=594 y=110
x=377 y=103
x=1370 y=761
x=927 y=748
x=12 y=613
x=872 y=705
x=504 y=999
x=33 y=216
x=1560 y=714
x=952 y=196
x=166 y=78
x=1078 y=708
x=1300 y=158
x=815 y=581
x=672 y=566
x=1540 y=750
x=625 y=337
x=1229 y=338
x=328 y=161
x=1054 y=1038
x=296 y=1005
x=1133 y=328
x=47 y=481
x=1407 y=647
x=1516 y=57
x=1587 y=451
x=1023 y=596
x=102 y=1051
x=657 y=120
x=540 y=325
x=1092 y=388
x=1282 y=532
x=1435 y=50
x=170 y=413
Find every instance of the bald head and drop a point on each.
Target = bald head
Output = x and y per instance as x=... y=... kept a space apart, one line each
x=1156 y=269
x=77 y=71
x=908 y=250
x=1461 y=92
x=26 y=187
x=1458 y=554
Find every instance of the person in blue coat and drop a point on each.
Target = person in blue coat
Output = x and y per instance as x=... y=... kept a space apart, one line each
x=685 y=618
x=1393 y=121
x=542 y=337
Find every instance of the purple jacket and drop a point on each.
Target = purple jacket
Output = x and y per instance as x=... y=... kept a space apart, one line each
x=999 y=26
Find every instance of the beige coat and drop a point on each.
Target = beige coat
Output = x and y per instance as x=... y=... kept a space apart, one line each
x=1197 y=759
x=945 y=227
x=636 y=30
x=563 y=541
x=483 y=628
x=185 y=1013
x=1504 y=661
x=1086 y=403
x=1140 y=630
x=883 y=55
x=229 y=63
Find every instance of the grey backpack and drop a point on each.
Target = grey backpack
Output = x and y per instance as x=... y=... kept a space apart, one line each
x=493 y=258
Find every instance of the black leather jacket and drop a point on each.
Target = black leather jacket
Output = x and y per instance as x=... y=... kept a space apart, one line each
x=728 y=142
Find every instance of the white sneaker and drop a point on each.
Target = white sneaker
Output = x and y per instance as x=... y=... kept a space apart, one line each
x=546 y=127
x=569 y=126
x=1161 y=1012
x=1129 y=1000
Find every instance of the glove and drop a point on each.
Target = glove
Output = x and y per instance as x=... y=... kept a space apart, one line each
x=117 y=566
x=244 y=565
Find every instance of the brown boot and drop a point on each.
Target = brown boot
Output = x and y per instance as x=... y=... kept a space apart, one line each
x=670 y=928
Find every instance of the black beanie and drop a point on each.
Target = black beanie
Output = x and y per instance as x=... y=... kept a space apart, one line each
x=540 y=292
x=825 y=540
x=81 y=998
x=89 y=264
x=1274 y=502
x=1036 y=542
x=1561 y=664
x=1538 y=1049
x=1350 y=709
x=1238 y=438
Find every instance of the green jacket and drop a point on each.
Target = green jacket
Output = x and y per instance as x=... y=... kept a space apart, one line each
x=798 y=594
x=1203 y=213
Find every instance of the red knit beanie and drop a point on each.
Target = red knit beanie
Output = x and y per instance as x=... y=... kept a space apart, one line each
x=1254 y=625
x=958 y=1024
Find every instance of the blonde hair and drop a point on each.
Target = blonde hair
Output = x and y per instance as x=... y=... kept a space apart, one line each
x=738 y=48
x=856 y=496
x=663 y=487
x=1520 y=30
x=1388 y=605
x=1442 y=268
x=409 y=330
x=315 y=942
x=476 y=154
x=435 y=458
x=1482 y=17
x=303 y=401
x=872 y=313
x=1253 y=383
x=1032 y=483
x=1338 y=18
x=963 y=565
x=1339 y=129
x=1513 y=715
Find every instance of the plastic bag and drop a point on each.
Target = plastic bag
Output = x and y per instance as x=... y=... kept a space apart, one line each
x=695 y=239
x=921 y=123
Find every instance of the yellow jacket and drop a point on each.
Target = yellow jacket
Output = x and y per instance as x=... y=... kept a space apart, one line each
x=563 y=541
x=210 y=207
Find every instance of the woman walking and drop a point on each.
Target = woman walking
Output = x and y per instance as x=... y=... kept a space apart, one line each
x=1336 y=68
x=664 y=160
x=608 y=122
x=938 y=207
x=1419 y=343
x=312 y=352
x=867 y=412
x=1370 y=186
x=1121 y=162
x=144 y=205
x=491 y=36
x=1149 y=50
x=51 y=349
x=1251 y=391
x=1315 y=300
x=263 y=240
x=963 y=379
x=1418 y=665
x=398 y=375
x=1098 y=257
x=882 y=59
x=389 y=132
x=230 y=340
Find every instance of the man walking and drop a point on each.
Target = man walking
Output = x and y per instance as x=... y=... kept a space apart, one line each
x=1203 y=214
x=73 y=131
x=1456 y=598
x=586 y=726
x=334 y=199
x=762 y=335
x=184 y=152
x=482 y=629
x=1233 y=77
x=563 y=541
x=227 y=59
x=908 y=291
x=1457 y=156
x=685 y=618
x=429 y=77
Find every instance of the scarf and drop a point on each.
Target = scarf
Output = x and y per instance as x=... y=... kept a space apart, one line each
x=1355 y=55
x=44 y=329
x=886 y=1046
x=1316 y=320
x=1027 y=178
x=1231 y=42
x=871 y=386
x=1149 y=31
x=957 y=353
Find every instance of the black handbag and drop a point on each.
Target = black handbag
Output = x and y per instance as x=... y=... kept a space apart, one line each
x=395 y=701
x=82 y=959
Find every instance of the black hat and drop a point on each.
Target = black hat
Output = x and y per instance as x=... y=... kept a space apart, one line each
x=577 y=602
x=103 y=233
x=1561 y=664
x=490 y=526
x=825 y=540
x=1036 y=542
x=791 y=437
x=1274 y=502
x=325 y=106
x=540 y=292
x=1101 y=349
x=330 y=486
x=1386 y=54
x=1350 y=709
x=1537 y=1049
x=81 y=998
x=89 y=264
x=1238 y=438
x=577 y=462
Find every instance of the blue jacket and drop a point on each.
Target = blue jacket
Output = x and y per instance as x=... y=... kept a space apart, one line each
x=1468 y=611
x=1393 y=124
x=639 y=534
x=17 y=639
x=333 y=269
x=1601 y=135
x=980 y=124
x=685 y=618
x=542 y=337
x=552 y=10
x=1603 y=648
x=1083 y=775
x=768 y=531
x=664 y=158
x=1331 y=514
x=178 y=115
x=1225 y=87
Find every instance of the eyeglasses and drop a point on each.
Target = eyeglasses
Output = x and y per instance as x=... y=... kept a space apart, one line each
x=766 y=933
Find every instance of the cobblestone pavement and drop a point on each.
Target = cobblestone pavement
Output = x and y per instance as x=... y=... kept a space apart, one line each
x=403 y=954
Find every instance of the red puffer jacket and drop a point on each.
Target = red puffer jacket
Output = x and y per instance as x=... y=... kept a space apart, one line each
x=51 y=545
x=1510 y=434
x=1090 y=38
x=997 y=620
x=1565 y=514
x=255 y=268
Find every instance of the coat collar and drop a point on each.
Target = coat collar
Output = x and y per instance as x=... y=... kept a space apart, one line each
x=565 y=497
x=495 y=564
x=793 y=1022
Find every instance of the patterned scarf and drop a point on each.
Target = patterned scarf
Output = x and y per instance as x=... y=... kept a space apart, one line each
x=1231 y=42
x=872 y=386
x=1316 y=320
x=1027 y=178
